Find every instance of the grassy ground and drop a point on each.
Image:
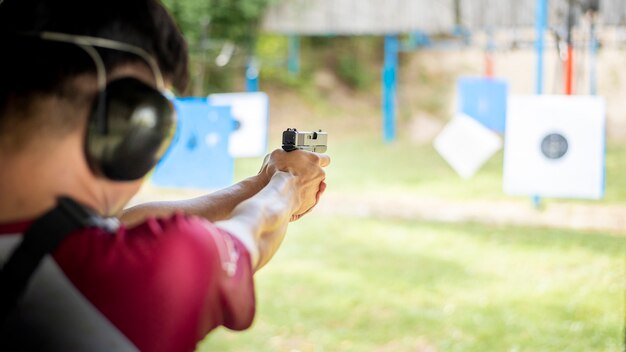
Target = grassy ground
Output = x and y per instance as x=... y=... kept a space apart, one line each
x=348 y=284
x=377 y=285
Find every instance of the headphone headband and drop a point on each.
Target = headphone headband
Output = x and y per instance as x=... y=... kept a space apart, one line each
x=88 y=43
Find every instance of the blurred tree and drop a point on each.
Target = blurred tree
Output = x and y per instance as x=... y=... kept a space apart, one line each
x=209 y=21
x=237 y=20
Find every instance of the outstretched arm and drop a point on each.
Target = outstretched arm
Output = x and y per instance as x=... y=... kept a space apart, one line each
x=214 y=207
x=219 y=205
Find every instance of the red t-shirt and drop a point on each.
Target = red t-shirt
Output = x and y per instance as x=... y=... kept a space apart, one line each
x=165 y=283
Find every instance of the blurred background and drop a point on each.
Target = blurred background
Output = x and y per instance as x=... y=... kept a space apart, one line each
x=477 y=193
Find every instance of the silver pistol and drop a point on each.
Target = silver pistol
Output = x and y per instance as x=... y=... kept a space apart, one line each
x=311 y=141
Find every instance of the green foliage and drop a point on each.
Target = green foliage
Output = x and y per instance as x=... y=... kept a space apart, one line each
x=351 y=58
x=206 y=24
x=272 y=51
x=224 y=79
x=354 y=61
x=351 y=70
x=235 y=20
x=192 y=17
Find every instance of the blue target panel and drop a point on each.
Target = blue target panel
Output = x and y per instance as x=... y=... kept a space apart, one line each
x=199 y=155
x=483 y=99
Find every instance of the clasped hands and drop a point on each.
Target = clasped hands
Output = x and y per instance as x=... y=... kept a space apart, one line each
x=310 y=175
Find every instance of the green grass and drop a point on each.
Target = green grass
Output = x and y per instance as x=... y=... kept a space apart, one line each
x=362 y=163
x=347 y=284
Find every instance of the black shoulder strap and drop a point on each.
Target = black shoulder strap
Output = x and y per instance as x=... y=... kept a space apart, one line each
x=43 y=237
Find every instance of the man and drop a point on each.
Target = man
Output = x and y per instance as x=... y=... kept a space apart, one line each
x=175 y=270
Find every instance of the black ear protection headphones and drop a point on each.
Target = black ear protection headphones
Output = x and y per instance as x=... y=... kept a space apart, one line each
x=131 y=124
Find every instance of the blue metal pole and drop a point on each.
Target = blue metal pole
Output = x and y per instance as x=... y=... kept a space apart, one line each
x=541 y=22
x=593 y=54
x=293 y=59
x=252 y=75
x=389 y=78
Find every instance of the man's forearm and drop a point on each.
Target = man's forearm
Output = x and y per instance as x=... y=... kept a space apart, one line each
x=260 y=222
x=214 y=207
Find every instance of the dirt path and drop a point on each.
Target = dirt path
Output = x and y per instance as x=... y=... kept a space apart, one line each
x=594 y=217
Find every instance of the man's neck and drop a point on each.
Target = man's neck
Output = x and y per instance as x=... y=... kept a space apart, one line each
x=32 y=178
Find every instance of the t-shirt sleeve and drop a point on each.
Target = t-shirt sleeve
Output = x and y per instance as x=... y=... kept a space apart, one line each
x=166 y=283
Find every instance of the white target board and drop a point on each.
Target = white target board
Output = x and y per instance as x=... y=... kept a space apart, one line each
x=466 y=144
x=554 y=146
x=251 y=114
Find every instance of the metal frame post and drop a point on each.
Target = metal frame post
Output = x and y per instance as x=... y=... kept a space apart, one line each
x=593 y=54
x=293 y=58
x=252 y=75
x=389 y=83
x=541 y=22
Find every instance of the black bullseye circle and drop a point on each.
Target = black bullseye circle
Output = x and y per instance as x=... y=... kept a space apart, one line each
x=554 y=146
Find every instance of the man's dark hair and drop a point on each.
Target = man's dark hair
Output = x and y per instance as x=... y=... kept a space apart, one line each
x=30 y=67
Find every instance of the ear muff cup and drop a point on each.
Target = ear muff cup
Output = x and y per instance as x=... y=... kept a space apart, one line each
x=129 y=130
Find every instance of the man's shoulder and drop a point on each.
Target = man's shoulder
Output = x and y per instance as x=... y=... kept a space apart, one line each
x=176 y=264
x=153 y=239
x=153 y=229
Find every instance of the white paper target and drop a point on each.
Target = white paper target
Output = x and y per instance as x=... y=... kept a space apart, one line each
x=554 y=146
x=251 y=112
x=466 y=144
